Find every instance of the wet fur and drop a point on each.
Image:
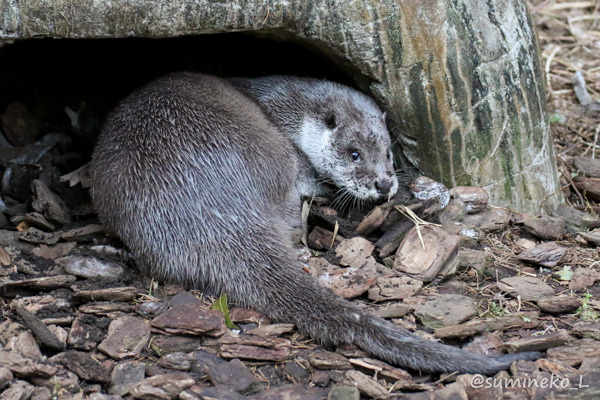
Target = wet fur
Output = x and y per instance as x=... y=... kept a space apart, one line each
x=198 y=180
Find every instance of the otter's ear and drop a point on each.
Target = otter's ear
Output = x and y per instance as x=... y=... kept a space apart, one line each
x=330 y=121
x=384 y=115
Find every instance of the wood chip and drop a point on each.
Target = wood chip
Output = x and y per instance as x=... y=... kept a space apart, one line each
x=547 y=254
x=520 y=321
x=539 y=343
x=527 y=287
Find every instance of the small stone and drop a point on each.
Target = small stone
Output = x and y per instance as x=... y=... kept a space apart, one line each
x=559 y=304
x=90 y=267
x=446 y=310
x=525 y=244
x=354 y=252
x=454 y=212
x=235 y=375
x=18 y=124
x=547 y=254
x=190 y=319
x=124 y=376
x=527 y=287
x=344 y=393
x=474 y=198
x=546 y=228
x=167 y=386
x=396 y=288
x=424 y=188
x=127 y=337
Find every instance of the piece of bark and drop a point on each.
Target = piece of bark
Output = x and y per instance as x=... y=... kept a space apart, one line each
x=587 y=330
x=367 y=385
x=527 y=287
x=474 y=198
x=49 y=204
x=374 y=219
x=127 y=337
x=389 y=242
x=321 y=239
x=40 y=330
x=167 y=386
x=90 y=267
x=256 y=353
x=84 y=365
x=271 y=329
x=124 y=376
x=445 y=310
x=583 y=278
x=84 y=234
x=559 y=304
x=106 y=308
x=327 y=360
x=87 y=331
x=343 y=392
x=347 y=283
x=190 y=319
x=489 y=220
x=235 y=375
x=396 y=288
x=592 y=237
x=381 y=369
x=547 y=228
x=454 y=212
x=589 y=187
x=577 y=220
x=587 y=166
x=476 y=259
x=547 y=254
x=109 y=294
x=521 y=321
x=573 y=353
x=36 y=236
x=425 y=259
x=26 y=368
x=354 y=252
x=539 y=343
x=291 y=392
x=41 y=283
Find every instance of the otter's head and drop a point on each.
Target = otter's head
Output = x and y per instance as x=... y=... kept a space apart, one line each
x=344 y=135
x=341 y=131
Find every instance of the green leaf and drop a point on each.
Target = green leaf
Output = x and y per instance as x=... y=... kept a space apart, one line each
x=565 y=274
x=526 y=319
x=221 y=305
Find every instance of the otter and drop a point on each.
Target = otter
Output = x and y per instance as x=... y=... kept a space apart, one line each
x=202 y=179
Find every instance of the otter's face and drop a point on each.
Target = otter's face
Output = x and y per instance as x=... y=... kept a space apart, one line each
x=349 y=145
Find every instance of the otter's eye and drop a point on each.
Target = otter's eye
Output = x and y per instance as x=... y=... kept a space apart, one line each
x=330 y=121
x=355 y=156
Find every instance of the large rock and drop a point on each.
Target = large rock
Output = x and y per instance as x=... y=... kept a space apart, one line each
x=461 y=79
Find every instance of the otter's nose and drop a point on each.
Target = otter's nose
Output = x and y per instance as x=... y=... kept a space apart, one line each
x=383 y=186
